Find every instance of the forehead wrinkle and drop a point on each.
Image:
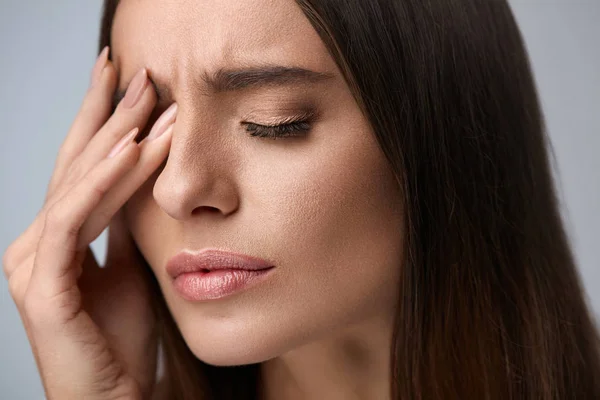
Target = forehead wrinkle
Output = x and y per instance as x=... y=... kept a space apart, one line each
x=226 y=46
x=240 y=79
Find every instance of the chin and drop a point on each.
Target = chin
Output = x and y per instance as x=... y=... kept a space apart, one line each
x=233 y=352
x=222 y=342
x=230 y=345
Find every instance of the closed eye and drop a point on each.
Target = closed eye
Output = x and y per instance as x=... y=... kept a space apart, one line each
x=293 y=126
x=291 y=129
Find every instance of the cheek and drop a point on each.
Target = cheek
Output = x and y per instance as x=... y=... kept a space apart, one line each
x=330 y=216
x=145 y=220
x=336 y=220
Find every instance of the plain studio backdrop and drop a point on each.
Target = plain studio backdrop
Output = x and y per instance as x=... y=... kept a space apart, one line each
x=48 y=49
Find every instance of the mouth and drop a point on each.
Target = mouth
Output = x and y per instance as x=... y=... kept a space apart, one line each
x=211 y=260
x=212 y=284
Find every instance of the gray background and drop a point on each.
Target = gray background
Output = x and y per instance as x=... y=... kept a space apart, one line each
x=47 y=52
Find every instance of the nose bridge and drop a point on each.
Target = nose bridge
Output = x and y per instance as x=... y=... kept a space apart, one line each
x=196 y=172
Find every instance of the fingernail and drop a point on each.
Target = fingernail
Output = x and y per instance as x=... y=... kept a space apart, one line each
x=135 y=89
x=123 y=142
x=99 y=66
x=163 y=122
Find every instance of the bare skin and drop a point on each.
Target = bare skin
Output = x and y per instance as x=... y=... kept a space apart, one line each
x=324 y=207
x=91 y=329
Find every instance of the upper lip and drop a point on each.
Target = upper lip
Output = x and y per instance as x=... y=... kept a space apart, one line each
x=213 y=259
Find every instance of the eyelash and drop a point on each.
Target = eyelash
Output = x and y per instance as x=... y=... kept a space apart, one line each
x=290 y=129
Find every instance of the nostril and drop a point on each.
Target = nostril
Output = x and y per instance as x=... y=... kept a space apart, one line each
x=208 y=209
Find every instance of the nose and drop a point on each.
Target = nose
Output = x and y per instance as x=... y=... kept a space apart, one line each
x=197 y=175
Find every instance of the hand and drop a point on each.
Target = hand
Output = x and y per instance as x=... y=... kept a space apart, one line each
x=91 y=329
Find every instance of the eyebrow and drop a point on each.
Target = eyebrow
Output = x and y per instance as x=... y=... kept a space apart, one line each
x=228 y=80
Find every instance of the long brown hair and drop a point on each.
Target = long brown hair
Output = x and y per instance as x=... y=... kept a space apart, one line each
x=491 y=303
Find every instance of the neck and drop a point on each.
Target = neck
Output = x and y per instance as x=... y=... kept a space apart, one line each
x=353 y=364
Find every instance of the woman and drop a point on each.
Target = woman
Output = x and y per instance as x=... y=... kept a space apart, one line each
x=384 y=162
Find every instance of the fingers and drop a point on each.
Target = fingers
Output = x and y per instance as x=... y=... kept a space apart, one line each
x=153 y=152
x=121 y=251
x=89 y=140
x=93 y=113
x=89 y=185
x=54 y=273
x=133 y=111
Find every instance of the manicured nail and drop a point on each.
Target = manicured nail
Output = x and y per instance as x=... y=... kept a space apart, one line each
x=123 y=142
x=135 y=89
x=99 y=66
x=163 y=122
x=168 y=130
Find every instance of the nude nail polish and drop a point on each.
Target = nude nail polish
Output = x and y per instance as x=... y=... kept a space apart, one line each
x=123 y=142
x=135 y=89
x=99 y=66
x=163 y=122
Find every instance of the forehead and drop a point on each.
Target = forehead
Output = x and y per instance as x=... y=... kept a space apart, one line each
x=175 y=38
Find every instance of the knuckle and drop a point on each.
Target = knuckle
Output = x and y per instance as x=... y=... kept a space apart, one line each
x=8 y=260
x=15 y=288
x=98 y=190
x=58 y=218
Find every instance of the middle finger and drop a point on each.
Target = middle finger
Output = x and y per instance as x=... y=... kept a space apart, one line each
x=132 y=111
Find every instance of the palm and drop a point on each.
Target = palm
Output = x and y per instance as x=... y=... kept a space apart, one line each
x=118 y=299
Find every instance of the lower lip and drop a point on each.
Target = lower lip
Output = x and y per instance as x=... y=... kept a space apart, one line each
x=196 y=286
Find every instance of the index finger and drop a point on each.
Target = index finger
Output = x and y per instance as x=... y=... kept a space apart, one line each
x=93 y=113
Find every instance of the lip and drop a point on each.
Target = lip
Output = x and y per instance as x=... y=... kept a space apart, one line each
x=212 y=260
x=214 y=274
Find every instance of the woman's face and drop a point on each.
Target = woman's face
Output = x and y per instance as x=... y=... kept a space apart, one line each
x=324 y=208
